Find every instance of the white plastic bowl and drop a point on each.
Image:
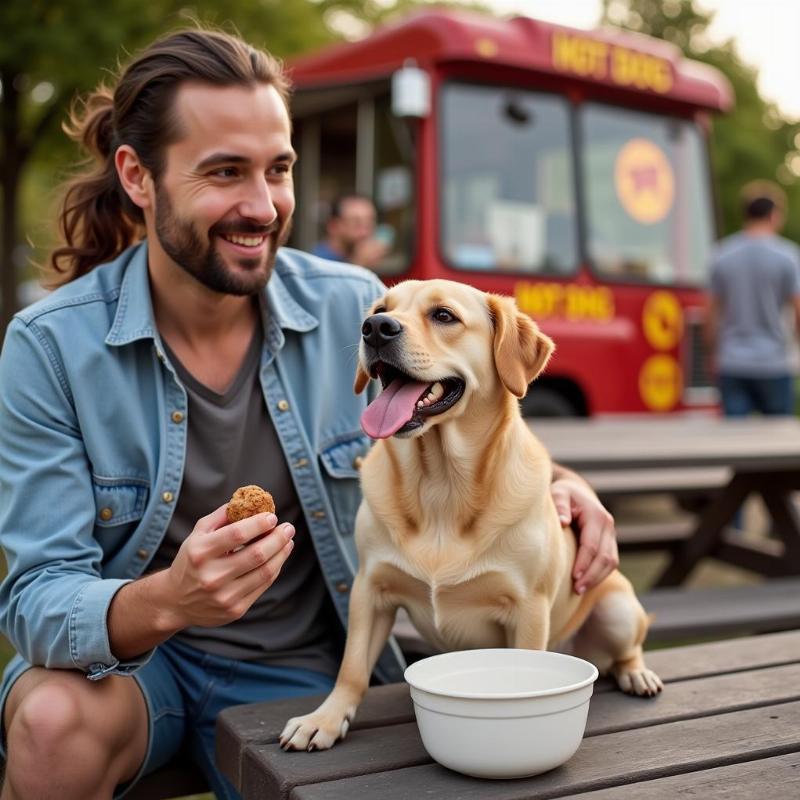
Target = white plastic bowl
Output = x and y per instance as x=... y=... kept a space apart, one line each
x=501 y=713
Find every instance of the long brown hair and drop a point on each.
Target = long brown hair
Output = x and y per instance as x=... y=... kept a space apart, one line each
x=97 y=220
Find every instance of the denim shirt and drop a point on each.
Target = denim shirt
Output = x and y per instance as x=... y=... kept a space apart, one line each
x=93 y=440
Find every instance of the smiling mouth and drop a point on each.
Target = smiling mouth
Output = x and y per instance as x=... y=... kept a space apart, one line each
x=405 y=402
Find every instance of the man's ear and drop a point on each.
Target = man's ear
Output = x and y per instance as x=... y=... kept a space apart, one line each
x=521 y=350
x=136 y=180
x=362 y=379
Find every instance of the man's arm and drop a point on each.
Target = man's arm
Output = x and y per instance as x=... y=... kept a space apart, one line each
x=575 y=500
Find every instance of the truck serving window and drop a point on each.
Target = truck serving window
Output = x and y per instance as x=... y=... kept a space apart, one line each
x=648 y=210
x=508 y=200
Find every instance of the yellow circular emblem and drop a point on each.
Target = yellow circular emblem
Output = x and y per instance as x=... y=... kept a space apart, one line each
x=660 y=383
x=662 y=320
x=644 y=181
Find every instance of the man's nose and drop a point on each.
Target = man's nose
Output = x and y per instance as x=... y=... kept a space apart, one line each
x=258 y=204
x=380 y=329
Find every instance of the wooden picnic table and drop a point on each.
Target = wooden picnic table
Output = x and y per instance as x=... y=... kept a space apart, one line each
x=758 y=456
x=726 y=726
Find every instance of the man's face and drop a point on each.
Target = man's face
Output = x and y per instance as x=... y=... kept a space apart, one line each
x=224 y=203
x=355 y=224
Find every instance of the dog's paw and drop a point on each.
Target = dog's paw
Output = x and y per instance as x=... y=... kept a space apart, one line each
x=642 y=682
x=316 y=731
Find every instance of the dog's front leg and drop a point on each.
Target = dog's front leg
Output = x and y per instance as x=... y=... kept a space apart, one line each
x=368 y=628
x=532 y=630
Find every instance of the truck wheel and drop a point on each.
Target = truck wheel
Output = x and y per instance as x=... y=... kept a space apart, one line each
x=546 y=403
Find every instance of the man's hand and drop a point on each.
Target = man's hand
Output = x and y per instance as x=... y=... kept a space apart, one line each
x=222 y=568
x=219 y=572
x=369 y=252
x=597 y=539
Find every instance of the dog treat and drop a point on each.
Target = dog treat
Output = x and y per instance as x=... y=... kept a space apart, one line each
x=249 y=500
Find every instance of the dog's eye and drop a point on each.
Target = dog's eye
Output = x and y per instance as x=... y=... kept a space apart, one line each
x=443 y=315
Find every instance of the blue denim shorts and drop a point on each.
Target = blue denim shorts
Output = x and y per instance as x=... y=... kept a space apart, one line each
x=185 y=689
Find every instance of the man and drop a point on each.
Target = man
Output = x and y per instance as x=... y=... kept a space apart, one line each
x=161 y=375
x=755 y=280
x=350 y=233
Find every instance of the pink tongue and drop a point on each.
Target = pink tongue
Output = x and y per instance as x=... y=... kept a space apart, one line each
x=392 y=408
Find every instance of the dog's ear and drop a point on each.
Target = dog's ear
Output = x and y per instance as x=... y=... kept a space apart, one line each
x=521 y=350
x=362 y=379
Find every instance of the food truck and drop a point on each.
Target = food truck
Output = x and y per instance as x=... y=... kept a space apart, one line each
x=567 y=168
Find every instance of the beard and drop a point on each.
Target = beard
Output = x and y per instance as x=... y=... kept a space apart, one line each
x=184 y=245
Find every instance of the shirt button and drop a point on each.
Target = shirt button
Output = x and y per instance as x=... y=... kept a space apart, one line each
x=301 y=462
x=142 y=553
x=342 y=587
x=177 y=416
x=357 y=462
x=106 y=514
x=283 y=405
x=318 y=514
x=167 y=497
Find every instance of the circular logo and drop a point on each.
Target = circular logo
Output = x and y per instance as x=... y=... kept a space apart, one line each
x=660 y=383
x=662 y=320
x=644 y=181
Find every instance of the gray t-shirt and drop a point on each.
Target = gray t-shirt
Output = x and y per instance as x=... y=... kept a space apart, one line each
x=754 y=279
x=231 y=442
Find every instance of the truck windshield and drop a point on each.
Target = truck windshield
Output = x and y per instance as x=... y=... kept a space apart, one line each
x=508 y=199
x=646 y=187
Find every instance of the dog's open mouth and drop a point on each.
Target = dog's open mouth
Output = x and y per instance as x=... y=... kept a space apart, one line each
x=405 y=402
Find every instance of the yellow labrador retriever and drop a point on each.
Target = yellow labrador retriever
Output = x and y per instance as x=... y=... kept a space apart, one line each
x=457 y=524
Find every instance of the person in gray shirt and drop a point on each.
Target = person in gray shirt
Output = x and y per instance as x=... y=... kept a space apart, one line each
x=755 y=280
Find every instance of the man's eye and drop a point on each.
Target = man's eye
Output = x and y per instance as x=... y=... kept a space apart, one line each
x=225 y=172
x=281 y=169
x=444 y=315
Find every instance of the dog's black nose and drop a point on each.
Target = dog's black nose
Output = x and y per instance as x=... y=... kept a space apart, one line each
x=380 y=329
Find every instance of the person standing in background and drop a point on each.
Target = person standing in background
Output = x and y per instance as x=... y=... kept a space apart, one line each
x=755 y=280
x=350 y=233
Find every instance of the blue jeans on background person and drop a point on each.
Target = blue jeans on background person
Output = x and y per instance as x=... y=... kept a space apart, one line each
x=742 y=396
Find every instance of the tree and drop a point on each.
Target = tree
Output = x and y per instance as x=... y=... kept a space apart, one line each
x=52 y=50
x=754 y=140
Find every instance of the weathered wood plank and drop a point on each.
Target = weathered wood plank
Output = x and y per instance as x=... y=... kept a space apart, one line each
x=614 y=711
x=779 y=776
x=271 y=772
x=680 y=613
x=261 y=723
x=683 y=481
x=615 y=759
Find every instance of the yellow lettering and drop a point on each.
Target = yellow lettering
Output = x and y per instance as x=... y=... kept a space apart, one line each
x=583 y=57
x=572 y=302
x=639 y=70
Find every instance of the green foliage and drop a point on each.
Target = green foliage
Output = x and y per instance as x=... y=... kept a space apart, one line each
x=754 y=140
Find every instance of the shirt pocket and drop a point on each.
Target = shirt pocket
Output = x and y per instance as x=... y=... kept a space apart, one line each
x=340 y=461
x=119 y=507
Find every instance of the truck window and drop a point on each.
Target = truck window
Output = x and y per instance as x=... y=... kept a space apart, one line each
x=648 y=208
x=508 y=200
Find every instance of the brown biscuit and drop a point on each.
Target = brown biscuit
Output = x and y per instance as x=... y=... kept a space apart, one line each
x=249 y=500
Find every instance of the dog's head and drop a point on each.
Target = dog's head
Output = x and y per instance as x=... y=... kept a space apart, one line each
x=436 y=344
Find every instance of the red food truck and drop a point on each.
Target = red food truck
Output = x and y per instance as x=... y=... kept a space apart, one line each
x=567 y=168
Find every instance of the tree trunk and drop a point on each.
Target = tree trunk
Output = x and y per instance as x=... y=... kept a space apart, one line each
x=10 y=171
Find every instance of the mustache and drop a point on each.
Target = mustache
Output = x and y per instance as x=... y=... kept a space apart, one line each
x=244 y=227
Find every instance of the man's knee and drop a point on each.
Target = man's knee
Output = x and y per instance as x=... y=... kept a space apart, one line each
x=48 y=717
x=79 y=730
